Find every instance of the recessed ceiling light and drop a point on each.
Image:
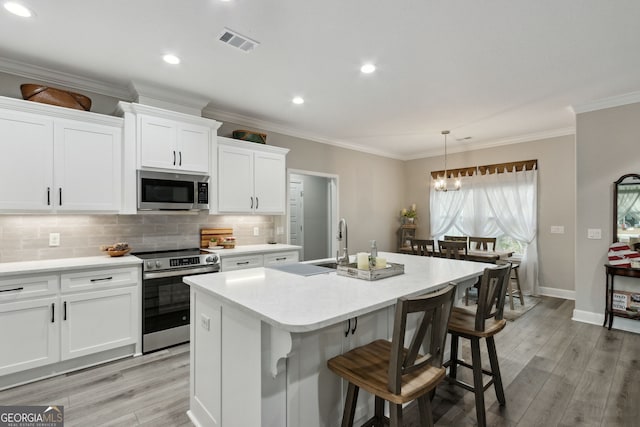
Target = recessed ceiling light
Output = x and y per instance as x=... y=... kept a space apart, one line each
x=171 y=59
x=368 y=68
x=18 y=9
x=298 y=100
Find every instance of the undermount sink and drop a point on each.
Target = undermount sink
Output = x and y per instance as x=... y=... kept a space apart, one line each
x=328 y=265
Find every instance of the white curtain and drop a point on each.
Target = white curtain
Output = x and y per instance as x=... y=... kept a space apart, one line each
x=512 y=199
x=492 y=205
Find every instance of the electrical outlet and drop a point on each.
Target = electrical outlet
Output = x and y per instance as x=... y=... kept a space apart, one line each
x=54 y=239
x=594 y=233
x=557 y=229
x=205 y=322
x=279 y=230
x=256 y=231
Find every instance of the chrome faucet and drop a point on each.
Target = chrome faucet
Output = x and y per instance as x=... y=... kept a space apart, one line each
x=344 y=259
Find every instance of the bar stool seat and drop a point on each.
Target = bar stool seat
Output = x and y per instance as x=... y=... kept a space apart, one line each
x=463 y=323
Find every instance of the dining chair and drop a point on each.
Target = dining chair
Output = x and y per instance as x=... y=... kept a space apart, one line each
x=457 y=239
x=453 y=249
x=423 y=247
x=482 y=243
x=397 y=374
x=485 y=323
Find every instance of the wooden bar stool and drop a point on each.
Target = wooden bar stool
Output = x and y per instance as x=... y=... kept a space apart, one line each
x=484 y=323
x=515 y=278
x=453 y=249
x=397 y=374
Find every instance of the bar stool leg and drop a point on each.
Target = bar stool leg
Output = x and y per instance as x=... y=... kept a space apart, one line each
x=350 y=405
x=510 y=288
x=424 y=405
x=453 y=357
x=495 y=369
x=379 y=410
x=515 y=273
x=477 y=382
x=395 y=412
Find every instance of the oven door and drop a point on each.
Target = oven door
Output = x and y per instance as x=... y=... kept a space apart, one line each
x=165 y=308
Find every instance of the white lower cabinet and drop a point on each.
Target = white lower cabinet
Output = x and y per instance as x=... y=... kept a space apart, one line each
x=281 y=258
x=43 y=323
x=241 y=262
x=97 y=321
x=29 y=333
x=315 y=395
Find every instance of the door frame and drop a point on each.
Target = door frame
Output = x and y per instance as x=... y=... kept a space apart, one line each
x=334 y=208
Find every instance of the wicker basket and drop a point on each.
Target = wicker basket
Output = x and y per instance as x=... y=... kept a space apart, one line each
x=53 y=96
x=118 y=253
x=247 y=135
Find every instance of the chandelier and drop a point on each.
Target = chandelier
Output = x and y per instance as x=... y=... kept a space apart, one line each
x=441 y=182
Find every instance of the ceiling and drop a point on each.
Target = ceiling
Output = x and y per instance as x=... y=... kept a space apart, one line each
x=499 y=71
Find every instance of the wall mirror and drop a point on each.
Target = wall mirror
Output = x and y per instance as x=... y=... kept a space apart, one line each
x=626 y=210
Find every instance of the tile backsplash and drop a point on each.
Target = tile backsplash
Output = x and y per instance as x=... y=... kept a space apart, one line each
x=26 y=237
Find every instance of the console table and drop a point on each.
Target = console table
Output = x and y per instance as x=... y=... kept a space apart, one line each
x=611 y=272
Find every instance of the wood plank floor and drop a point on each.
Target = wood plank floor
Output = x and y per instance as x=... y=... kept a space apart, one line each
x=556 y=372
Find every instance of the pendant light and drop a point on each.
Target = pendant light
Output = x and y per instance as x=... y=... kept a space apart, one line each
x=441 y=183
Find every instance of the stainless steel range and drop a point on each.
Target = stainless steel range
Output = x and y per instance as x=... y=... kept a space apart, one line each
x=165 y=297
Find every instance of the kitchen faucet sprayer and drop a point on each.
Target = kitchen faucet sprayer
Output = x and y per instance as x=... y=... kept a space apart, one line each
x=344 y=260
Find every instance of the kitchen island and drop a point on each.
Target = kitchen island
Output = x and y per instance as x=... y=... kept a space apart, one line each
x=260 y=338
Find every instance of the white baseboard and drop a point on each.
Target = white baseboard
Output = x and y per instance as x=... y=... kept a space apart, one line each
x=557 y=293
x=619 y=323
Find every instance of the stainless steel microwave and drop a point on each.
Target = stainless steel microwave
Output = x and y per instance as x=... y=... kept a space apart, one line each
x=172 y=191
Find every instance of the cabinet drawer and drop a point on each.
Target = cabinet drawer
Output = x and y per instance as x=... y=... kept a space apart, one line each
x=281 y=258
x=100 y=279
x=26 y=286
x=241 y=262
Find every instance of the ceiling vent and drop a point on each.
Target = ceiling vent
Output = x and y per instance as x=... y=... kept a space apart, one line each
x=232 y=38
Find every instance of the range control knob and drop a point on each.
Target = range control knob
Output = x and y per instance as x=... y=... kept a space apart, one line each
x=158 y=264
x=211 y=258
x=149 y=264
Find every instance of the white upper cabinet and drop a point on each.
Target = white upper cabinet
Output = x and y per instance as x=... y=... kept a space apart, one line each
x=170 y=144
x=57 y=159
x=251 y=177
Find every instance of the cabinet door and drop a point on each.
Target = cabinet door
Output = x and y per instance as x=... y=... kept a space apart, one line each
x=26 y=168
x=98 y=321
x=87 y=167
x=193 y=148
x=29 y=333
x=157 y=142
x=235 y=180
x=270 y=183
x=281 y=258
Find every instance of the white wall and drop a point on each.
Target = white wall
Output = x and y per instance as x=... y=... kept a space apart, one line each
x=608 y=146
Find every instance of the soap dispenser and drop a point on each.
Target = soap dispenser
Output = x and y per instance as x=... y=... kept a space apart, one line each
x=374 y=254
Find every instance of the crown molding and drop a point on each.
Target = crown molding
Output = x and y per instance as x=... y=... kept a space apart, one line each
x=243 y=120
x=167 y=98
x=610 y=102
x=480 y=145
x=68 y=80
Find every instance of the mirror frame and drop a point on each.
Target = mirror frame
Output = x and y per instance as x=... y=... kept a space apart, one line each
x=620 y=180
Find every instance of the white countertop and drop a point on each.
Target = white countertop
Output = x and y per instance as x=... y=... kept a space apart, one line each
x=50 y=265
x=253 y=249
x=299 y=304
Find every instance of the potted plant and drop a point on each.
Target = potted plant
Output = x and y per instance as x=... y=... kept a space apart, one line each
x=408 y=216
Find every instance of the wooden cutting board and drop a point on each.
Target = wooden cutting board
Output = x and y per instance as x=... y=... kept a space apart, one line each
x=206 y=234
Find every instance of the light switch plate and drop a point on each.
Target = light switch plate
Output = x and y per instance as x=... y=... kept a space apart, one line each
x=279 y=230
x=54 y=239
x=557 y=229
x=594 y=233
x=256 y=231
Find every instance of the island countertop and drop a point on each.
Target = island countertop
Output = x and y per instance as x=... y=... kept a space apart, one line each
x=297 y=303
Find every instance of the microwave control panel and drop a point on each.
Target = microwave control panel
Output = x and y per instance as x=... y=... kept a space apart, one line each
x=203 y=193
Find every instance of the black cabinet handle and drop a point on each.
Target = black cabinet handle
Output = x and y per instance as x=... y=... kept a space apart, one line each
x=48 y=196
x=346 y=333
x=355 y=325
x=53 y=311
x=12 y=289
x=251 y=202
x=257 y=202
x=60 y=195
x=174 y=157
x=180 y=156
x=242 y=263
x=102 y=279
x=65 y=311
x=281 y=259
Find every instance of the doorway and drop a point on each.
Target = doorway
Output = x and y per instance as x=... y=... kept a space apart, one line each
x=313 y=213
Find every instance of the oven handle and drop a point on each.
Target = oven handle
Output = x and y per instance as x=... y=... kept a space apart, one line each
x=174 y=273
